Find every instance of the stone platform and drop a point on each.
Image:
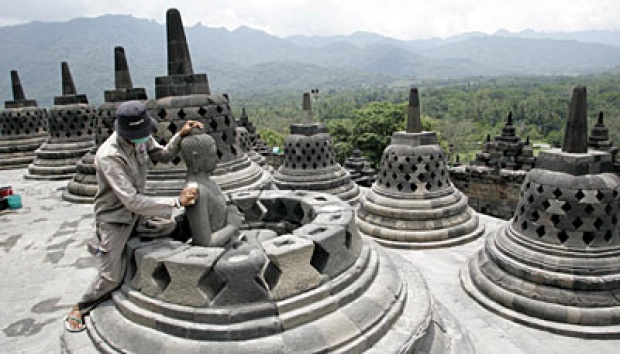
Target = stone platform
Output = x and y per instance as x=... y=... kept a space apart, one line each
x=46 y=268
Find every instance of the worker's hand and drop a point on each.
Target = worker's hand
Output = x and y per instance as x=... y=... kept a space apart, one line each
x=188 y=196
x=189 y=125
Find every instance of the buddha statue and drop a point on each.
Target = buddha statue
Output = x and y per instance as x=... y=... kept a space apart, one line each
x=212 y=222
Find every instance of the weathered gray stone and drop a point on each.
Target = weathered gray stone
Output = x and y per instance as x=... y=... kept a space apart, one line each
x=413 y=203
x=309 y=161
x=71 y=128
x=189 y=276
x=23 y=128
x=554 y=265
x=183 y=95
x=291 y=256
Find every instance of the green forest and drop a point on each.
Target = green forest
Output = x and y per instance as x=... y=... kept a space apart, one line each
x=461 y=112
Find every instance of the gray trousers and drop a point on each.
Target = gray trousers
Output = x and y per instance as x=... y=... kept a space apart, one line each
x=112 y=241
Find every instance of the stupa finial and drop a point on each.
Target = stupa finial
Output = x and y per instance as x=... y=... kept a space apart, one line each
x=414 y=123
x=576 y=134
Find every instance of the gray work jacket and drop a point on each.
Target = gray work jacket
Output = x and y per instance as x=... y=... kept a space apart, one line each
x=121 y=177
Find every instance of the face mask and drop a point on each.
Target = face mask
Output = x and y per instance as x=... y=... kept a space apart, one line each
x=141 y=140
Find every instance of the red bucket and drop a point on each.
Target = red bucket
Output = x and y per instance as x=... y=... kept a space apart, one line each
x=6 y=191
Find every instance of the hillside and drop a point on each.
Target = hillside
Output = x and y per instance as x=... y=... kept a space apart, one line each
x=247 y=60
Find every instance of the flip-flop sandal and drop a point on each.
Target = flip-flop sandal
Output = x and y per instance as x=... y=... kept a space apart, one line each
x=81 y=326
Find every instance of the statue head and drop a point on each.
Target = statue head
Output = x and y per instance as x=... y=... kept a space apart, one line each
x=199 y=152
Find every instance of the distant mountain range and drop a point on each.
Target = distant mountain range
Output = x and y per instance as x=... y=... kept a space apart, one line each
x=248 y=60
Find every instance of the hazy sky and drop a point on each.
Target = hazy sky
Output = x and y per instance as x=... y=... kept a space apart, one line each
x=404 y=19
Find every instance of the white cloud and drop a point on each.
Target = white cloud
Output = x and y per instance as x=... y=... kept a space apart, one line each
x=405 y=19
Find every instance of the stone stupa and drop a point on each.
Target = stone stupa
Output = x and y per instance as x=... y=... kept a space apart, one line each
x=555 y=265
x=492 y=181
x=246 y=139
x=23 y=128
x=183 y=95
x=314 y=286
x=83 y=187
x=599 y=140
x=310 y=162
x=507 y=151
x=413 y=203
x=71 y=129
x=360 y=169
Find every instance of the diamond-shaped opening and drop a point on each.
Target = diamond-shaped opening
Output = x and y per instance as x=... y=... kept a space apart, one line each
x=566 y=207
x=598 y=223
x=407 y=159
x=557 y=193
x=176 y=160
x=527 y=185
x=407 y=177
x=399 y=187
x=428 y=186
x=555 y=219
x=213 y=124
x=182 y=114
x=414 y=168
x=413 y=187
x=219 y=109
x=202 y=111
x=588 y=237
x=530 y=199
x=589 y=209
x=394 y=175
x=210 y=284
x=522 y=209
x=439 y=184
x=227 y=120
x=608 y=236
x=395 y=158
x=608 y=209
x=535 y=215
x=524 y=225
x=545 y=204
x=577 y=223
x=433 y=175
x=162 y=113
x=219 y=154
x=540 y=188
x=161 y=276
x=422 y=177
x=562 y=236
x=172 y=128
x=420 y=159
x=427 y=167
x=600 y=195
x=272 y=275
x=614 y=220
x=224 y=136
x=401 y=167
x=579 y=195
x=432 y=157
x=320 y=257
x=540 y=231
x=387 y=184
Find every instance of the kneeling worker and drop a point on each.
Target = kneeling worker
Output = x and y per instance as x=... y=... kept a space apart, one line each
x=121 y=208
